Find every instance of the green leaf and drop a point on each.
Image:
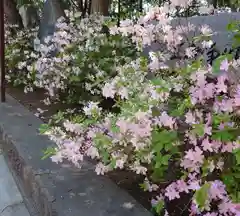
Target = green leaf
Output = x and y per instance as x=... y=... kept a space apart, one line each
x=163 y=139
x=236 y=40
x=105 y=156
x=101 y=140
x=235 y=197
x=219 y=118
x=59 y=116
x=113 y=163
x=236 y=175
x=143 y=186
x=44 y=128
x=237 y=156
x=158 y=165
x=115 y=129
x=199 y=129
x=156 y=140
x=158 y=174
x=237 y=37
x=223 y=135
x=50 y=151
x=201 y=195
x=228 y=180
x=159 y=207
x=205 y=168
x=231 y=26
x=165 y=159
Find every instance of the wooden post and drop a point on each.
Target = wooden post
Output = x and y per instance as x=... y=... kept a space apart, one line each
x=2 y=52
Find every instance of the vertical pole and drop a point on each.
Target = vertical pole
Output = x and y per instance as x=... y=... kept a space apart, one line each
x=141 y=6
x=119 y=11
x=2 y=53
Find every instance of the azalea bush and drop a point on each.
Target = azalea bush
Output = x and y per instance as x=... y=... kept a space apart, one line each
x=177 y=118
x=20 y=55
x=75 y=62
x=178 y=130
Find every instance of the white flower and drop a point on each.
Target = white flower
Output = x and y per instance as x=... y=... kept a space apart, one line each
x=92 y=152
x=139 y=169
x=108 y=90
x=123 y=92
x=205 y=29
x=92 y=109
x=128 y=205
x=101 y=169
x=207 y=44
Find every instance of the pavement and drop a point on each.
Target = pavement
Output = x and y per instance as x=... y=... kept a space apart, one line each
x=11 y=201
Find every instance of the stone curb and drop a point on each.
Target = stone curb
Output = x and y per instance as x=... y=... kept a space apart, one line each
x=56 y=190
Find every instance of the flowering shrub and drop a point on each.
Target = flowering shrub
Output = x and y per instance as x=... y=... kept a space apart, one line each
x=179 y=131
x=79 y=57
x=20 y=55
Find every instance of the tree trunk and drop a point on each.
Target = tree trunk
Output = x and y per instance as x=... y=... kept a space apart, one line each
x=100 y=6
x=11 y=13
x=84 y=6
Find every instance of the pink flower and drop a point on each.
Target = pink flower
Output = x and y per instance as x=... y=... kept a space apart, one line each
x=166 y=120
x=207 y=146
x=207 y=130
x=226 y=105
x=236 y=101
x=217 y=190
x=211 y=214
x=209 y=90
x=192 y=176
x=123 y=125
x=228 y=147
x=190 y=118
x=216 y=145
x=221 y=87
x=237 y=208
x=221 y=126
x=224 y=65
x=187 y=164
x=192 y=139
x=197 y=95
x=208 y=118
x=194 y=209
x=171 y=192
x=226 y=208
x=237 y=97
x=182 y=186
x=196 y=156
x=194 y=185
